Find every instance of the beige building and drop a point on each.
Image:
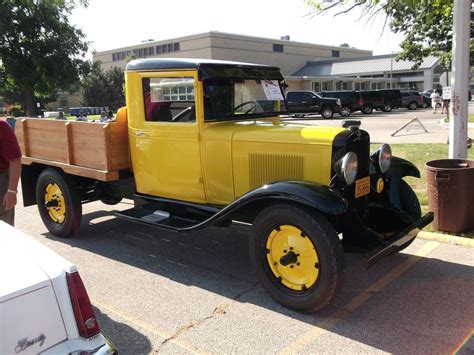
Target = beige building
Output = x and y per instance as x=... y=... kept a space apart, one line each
x=288 y=55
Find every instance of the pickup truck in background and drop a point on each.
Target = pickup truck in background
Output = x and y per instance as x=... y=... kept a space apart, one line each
x=202 y=143
x=44 y=307
x=304 y=102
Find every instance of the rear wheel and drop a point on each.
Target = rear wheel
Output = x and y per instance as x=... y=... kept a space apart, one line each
x=297 y=256
x=387 y=108
x=327 y=112
x=59 y=203
x=345 y=111
x=367 y=109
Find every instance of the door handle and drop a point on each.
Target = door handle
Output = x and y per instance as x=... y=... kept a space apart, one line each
x=140 y=134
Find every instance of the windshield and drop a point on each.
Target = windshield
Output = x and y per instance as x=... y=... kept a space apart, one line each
x=230 y=99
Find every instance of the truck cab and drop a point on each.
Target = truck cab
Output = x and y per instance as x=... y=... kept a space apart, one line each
x=211 y=143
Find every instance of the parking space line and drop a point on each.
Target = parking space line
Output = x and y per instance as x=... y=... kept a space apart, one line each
x=310 y=336
x=153 y=329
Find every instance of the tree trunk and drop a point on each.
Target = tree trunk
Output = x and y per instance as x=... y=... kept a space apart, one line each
x=30 y=103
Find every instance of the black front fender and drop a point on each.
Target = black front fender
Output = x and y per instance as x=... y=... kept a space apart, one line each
x=401 y=167
x=310 y=194
x=245 y=208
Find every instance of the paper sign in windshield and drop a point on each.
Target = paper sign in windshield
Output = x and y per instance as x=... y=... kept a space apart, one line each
x=272 y=89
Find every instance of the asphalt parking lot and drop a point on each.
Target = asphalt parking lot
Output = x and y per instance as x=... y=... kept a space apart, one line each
x=381 y=125
x=157 y=291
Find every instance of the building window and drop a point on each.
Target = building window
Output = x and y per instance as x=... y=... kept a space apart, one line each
x=278 y=48
x=158 y=49
x=326 y=86
x=336 y=54
x=340 y=85
x=316 y=86
x=176 y=47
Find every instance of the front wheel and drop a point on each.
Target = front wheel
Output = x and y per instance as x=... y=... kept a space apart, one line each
x=412 y=106
x=345 y=111
x=59 y=203
x=327 y=112
x=386 y=108
x=297 y=256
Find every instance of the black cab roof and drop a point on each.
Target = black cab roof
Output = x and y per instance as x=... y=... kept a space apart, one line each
x=207 y=68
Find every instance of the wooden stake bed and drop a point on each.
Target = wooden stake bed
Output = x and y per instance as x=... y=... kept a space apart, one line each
x=94 y=150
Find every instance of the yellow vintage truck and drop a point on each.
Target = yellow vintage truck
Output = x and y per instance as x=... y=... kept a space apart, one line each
x=204 y=143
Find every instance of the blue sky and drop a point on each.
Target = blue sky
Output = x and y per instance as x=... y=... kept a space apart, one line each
x=111 y=24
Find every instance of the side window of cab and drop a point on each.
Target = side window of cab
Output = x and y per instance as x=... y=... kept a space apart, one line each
x=169 y=99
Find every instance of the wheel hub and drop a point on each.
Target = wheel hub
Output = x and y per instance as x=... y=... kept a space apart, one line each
x=54 y=203
x=292 y=257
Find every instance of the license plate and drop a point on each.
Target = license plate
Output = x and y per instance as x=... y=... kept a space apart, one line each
x=362 y=187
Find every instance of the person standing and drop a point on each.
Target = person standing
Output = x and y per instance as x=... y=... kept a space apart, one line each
x=435 y=100
x=10 y=169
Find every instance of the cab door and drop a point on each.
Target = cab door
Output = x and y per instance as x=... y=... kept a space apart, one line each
x=164 y=134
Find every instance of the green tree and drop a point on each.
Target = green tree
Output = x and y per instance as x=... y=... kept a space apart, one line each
x=345 y=45
x=40 y=51
x=426 y=24
x=101 y=88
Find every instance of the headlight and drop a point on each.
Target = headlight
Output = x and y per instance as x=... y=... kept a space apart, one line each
x=384 y=157
x=347 y=167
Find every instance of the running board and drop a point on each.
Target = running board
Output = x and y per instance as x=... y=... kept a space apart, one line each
x=153 y=214
x=391 y=244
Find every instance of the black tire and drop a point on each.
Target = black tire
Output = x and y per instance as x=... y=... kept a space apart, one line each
x=71 y=222
x=325 y=242
x=345 y=111
x=413 y=105
x=327 y=112
x=387 y=108
x=367 y=109
x=410 y=205
x=110 y=200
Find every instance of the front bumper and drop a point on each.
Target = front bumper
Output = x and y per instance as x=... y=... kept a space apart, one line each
x=395 y=242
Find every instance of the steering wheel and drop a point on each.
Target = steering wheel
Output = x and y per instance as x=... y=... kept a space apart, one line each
x=182 y=114
x=243 y=104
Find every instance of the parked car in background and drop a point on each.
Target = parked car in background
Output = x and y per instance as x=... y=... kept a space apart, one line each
x=351 y=101
x=372 y=100
x=426 y=100
x=303 y=102
x=44 y=307
x=392 y=98
x=411 y=99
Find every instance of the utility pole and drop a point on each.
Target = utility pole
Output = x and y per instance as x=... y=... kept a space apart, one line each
x=460 y=80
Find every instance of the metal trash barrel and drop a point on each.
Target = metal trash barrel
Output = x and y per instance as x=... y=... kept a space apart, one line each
x=451 y=194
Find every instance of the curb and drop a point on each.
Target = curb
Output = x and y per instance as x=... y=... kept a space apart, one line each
x=447 y=239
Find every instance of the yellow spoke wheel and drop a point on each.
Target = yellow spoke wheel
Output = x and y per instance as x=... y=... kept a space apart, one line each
x=54 y=203
x=292 y=257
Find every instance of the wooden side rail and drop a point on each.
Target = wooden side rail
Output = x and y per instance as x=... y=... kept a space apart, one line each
x=95 y=150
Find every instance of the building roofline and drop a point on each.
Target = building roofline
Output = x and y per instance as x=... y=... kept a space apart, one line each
x=211 y=34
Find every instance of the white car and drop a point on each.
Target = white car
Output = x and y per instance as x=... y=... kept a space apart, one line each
x=44 y=307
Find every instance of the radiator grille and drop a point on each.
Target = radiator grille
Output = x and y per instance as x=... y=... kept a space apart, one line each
x=265 y=168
